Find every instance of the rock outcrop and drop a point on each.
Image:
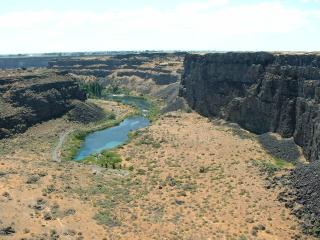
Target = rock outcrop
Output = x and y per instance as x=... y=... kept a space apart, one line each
x=30 y=97
x=86 y=112
x=262 y=92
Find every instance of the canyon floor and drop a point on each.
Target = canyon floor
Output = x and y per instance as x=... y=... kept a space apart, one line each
x=184 y=177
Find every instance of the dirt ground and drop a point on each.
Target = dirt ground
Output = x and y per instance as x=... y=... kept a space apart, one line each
x=184 y=177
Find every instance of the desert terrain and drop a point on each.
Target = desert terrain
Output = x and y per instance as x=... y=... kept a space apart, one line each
x=190 y=174
x=191 y=178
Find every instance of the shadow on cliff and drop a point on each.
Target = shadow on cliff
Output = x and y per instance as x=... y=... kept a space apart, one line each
x=284 y=149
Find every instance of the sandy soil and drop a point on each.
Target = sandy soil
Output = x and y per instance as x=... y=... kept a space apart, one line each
x=189 y=178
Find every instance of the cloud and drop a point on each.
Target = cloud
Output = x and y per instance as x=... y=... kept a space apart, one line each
x=211 y=24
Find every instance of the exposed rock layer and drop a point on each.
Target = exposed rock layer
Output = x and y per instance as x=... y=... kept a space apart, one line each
x=261 y=91
x=23 y=62
x=27 y=98
x=86 y=112
x=154 y=74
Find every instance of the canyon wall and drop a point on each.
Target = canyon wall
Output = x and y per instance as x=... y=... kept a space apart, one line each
x=154 y=74
x=30 y=97
x=262 y=92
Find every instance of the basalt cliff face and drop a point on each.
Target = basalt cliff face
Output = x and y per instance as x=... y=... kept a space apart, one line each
x=262 y=92
x=30 y=97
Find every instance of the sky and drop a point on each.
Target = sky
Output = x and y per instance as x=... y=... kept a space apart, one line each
x=38 y=26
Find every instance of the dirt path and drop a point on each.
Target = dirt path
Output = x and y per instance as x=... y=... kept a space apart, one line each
x=56 y=154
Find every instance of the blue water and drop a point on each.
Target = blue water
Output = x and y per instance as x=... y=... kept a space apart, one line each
x=138 y=102
x=115 y=136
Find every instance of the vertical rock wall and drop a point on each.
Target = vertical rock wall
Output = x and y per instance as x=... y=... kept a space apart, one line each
x=260 y=91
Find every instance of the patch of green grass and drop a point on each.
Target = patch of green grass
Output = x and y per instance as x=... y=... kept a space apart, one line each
x=107 y=159
x=153 y=112
x=115 y=90
x=72 y=145
x=280 y=163
x=189 y=110
x=134 y=134
x=154 y=107
x=272 y=166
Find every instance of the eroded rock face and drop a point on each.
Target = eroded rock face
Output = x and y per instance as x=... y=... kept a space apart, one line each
x=260 y=91
x=27 y=98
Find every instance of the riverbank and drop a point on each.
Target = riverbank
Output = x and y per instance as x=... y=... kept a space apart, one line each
x=138 y=106
x=117 y=114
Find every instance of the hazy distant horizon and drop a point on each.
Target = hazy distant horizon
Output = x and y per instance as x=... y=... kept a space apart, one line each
x=100 y=53
x=45 y=26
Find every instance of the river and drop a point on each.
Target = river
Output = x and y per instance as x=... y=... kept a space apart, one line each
x=115 y=136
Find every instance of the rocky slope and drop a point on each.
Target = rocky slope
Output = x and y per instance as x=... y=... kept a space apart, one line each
x=30 y=97
x=277 y=92
x=302 y=196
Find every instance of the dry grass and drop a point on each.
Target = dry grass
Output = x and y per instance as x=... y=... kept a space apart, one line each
x=189 y=179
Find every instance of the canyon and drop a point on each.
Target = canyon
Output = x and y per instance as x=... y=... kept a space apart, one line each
x=202 y=169
x=48 y=87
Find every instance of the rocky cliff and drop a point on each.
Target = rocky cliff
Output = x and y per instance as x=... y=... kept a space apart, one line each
x=262 y=92
x=30 y=97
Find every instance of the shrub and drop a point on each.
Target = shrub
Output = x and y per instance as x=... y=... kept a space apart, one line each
x=93 y=89
x=189 y=110
x=107 y=159
x=117 y=90
x=106 y=218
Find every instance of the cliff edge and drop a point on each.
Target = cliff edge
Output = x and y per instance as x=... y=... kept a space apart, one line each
x=30 y=97
x=261 y=91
